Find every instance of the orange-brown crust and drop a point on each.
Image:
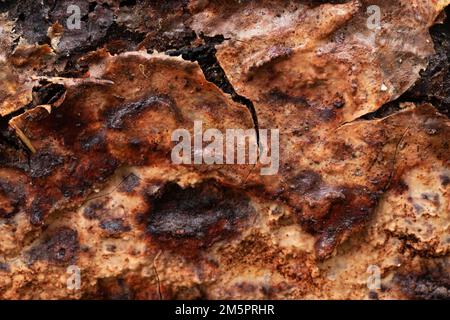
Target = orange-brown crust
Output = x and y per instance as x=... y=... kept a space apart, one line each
x=86 y=177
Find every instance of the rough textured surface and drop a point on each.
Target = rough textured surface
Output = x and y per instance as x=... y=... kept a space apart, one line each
x=86 y=178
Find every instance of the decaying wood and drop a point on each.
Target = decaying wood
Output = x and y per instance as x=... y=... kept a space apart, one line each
x=86 y=177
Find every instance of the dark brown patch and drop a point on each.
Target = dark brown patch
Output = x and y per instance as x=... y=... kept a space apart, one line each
x=445 y=180
x=111 y=247
x=94 y=210
x=328 y=211
x=114 y=227
x=96 y=142
x=373 y=295
x=305 y=182
x=130 y=286
x=44 y=162
x=399 y=187
x=59 y=248
x=169 y=40
x=12 y=198
x=38 y=210
x=47 y=93
x=129 y=183
x=327 y=114
x=429 y=285
x=196 y=216
x=277 y=96
x=342 y=151
x=13 y=153
x=4 y=267
x=116 y=118
x=434 y=83
x=114 y=289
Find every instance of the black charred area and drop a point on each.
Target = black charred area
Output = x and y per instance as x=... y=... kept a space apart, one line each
x=433 y=284
x=60 y=248
x=433 y=86
x=37 y=211
x=47 y=93
x=205 y=55
x=170 y=40
x=44 y=162
x=13 y=153
x=31 y=18
x=6 y=5
x=100 y=29
x=114 y=226
x=207 y=213
x=116 y=39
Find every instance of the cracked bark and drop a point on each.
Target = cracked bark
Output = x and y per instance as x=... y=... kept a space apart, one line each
x=351 y=183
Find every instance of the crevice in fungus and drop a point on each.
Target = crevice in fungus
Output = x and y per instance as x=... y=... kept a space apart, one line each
x=205 y=55
x=46 y=93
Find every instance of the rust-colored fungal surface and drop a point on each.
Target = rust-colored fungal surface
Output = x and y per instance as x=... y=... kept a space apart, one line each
x=354 y=96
